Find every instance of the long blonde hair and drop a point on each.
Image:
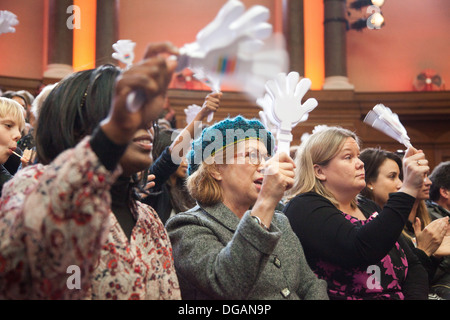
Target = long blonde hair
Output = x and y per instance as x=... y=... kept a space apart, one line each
x=319 y=148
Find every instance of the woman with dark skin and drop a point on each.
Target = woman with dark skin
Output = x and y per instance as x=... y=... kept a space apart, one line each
x=60 y=210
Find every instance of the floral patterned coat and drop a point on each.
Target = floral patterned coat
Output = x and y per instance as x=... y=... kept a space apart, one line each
x=60 y=240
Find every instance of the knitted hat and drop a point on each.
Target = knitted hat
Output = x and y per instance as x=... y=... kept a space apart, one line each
x=225 y=133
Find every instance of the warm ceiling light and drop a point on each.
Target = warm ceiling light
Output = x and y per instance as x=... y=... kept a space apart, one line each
x=378 y=3
x=376 y=20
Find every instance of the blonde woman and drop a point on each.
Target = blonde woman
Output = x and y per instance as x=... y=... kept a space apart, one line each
x=356 y=250
x=235 y=244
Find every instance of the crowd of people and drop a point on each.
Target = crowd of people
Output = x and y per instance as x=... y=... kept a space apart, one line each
x=147 y=211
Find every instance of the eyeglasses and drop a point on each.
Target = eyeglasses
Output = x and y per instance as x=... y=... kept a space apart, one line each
x=254 y=157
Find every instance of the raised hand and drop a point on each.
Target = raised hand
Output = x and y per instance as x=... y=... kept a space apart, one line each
x=27 y=157
x=196 y=113
x=210 y=106
x=278 y=177
x=150 y=78
x=415 y=167
x=444 y=248
x=149 y=183
x=430 y=238
x=125 y=53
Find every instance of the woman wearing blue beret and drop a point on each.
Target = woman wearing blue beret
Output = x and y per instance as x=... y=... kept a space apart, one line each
x=235 y=244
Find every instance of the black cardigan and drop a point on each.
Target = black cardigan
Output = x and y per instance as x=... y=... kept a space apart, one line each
x=326 y=234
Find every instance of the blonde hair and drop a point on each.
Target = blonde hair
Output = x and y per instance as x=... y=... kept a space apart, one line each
x=319 y=148
x=9 y=107
x=202 y=185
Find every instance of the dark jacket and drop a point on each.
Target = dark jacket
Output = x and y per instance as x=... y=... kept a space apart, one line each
x=436 y=211
x=159 y=197
x=440 y=284
x=5 y=176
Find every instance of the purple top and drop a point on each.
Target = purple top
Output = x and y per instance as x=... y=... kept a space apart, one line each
x=359 y=259
x=379 y=281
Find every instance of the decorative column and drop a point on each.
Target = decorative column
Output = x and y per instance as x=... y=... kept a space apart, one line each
x=107 y=31
x=294 y=34
x=335 y=30
x=60 y=40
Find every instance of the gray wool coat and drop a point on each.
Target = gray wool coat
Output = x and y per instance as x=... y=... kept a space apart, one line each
x=219 y=256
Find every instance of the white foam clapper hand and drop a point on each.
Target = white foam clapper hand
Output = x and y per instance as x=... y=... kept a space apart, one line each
x=192 y=110
x=391 y=125
x=8 y=21
x=287 y=92
x=215 y=52
x=124 y=51
x=256 y=69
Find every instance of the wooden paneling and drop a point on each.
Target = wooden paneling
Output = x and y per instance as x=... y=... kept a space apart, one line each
x=16 y=84
x=426 y=115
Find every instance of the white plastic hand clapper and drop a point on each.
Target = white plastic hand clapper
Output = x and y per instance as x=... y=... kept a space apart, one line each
x=234 y=32
x=124 y=51
x=7 y=21
x=383 y=119
x=286 y=93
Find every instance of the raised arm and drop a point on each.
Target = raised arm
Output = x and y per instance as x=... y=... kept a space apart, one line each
x=169 y=160
x=55 y=217
x=181 y=143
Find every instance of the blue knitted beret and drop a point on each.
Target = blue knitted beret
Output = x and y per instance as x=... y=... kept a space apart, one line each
x=224 y=133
